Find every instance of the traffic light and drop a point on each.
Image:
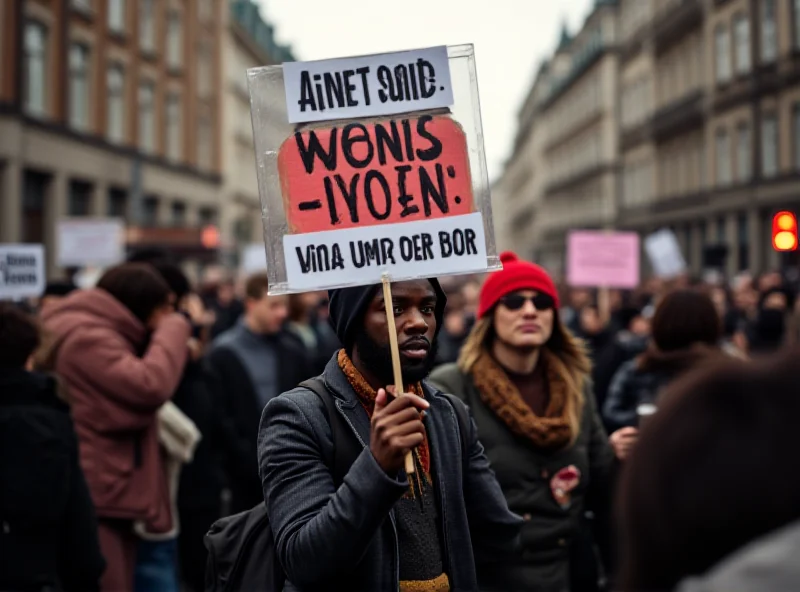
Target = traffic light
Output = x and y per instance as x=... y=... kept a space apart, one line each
x=784 y=232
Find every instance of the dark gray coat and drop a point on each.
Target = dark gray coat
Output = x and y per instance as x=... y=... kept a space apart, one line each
x=341 y=539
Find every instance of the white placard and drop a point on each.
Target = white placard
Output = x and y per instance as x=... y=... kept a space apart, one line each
x=322 y=260
x=665 y=254
x=90 y=241
x=254 y=258
x=368 y=86
x=22 y=272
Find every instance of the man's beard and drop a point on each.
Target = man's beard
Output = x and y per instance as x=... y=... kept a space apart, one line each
x=378 y=359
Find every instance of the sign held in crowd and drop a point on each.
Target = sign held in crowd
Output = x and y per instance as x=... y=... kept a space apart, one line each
x=597 y=259
x=22 y=273
x=388 y=180
x=665 y=254
x=90 y=241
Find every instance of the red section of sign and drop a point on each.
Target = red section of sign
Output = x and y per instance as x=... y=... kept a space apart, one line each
x=381 y=172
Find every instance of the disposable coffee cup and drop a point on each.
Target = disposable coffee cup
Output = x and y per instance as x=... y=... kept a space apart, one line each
x=644 y=412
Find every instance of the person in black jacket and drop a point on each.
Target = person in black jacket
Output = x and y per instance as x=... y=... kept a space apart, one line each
x=246 y=367
x=48 y=528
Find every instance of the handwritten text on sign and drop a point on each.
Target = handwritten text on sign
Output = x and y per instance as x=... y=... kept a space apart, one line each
x=360 y=255
x=603 y=259
x=368 y=86
x=382 y=172
x=21 y=271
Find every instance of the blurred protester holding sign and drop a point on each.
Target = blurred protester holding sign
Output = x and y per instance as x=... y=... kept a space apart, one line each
x=711 y=481
x=525 y=378
x=245 y=368
x=121 y=352
x=48 y=528
x=382 y=529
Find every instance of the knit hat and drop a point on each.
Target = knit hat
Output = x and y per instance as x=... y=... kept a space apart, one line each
x=515 y=275
x=347 y=307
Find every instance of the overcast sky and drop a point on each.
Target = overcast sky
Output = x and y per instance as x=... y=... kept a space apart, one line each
x=511 y=37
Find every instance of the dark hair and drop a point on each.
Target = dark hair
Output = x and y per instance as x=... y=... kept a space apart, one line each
x=149 y=255
x=176 y=280
x=19 y=336
x=712 y=471
x=59 y=288
x=256 y=286
x=684 y=318
x=137 y=286
x=298 y=309
x=787 y=293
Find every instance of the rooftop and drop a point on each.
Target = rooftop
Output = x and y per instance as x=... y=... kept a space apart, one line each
x=247 y=15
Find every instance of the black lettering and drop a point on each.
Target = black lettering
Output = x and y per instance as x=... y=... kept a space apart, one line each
x=409 y=141
x=348 y=139
x=404 y=199
x=334 y=89
x=418 y=253
x=427 y=243
x=472 y=249
x=336 y=256
x=401 y=77
x=387 y=251
x=314 y=148
x=334 y=214
x=377 y=175
x=305 y=264
x=383 y=142
x=458 y=242
x=350 y=196
x=413 y=75
x=323 y=260
x=437 y=193
x=358 y=259
x=444 y=244
x=365 y=83
x=320 y=96
x=385 y=79
x=306 y=93
x=435 y=151
x=372 y=252
x=426 y=70
x=406 y=248
x=349 y=88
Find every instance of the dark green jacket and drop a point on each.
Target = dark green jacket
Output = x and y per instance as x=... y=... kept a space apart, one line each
x=524 y=473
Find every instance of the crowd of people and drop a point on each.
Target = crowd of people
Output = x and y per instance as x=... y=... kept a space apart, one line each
x=613 y=441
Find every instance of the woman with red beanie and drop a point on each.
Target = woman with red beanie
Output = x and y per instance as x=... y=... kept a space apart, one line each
x=525 y=378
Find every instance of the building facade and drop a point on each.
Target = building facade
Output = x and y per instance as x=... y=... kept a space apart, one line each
x=708 y=128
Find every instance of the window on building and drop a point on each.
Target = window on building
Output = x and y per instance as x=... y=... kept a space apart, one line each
x=34 y=197
x=743 y=153
x=82 y=5
x=80 y=198
x=115 y=113
x=150 y=211
x=741 y=32
x=117 y=206
x=178 y=217
x=204 y=144
x=204 y=59
x=147 y=117
x=743 y=241
x=116 y=15
x=147 y=25
x=796 y=11
x=769 y=146
x=721 y=230
x=35 y=97
x=722 y=43
x=769 y=31
x=79 y=82
x=723 y=147
x=174 y=128
x=174 y=40
x=207 y=216
x=206 y=10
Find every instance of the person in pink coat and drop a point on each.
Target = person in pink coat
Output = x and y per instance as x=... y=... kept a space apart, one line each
x=119 y=350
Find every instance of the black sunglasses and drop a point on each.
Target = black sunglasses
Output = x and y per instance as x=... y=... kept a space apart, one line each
x=517 y=301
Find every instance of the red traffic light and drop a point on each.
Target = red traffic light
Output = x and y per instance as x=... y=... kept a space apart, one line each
x=784 y=232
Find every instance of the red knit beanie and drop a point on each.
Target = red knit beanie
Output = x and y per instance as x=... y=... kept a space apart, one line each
x=515 y=275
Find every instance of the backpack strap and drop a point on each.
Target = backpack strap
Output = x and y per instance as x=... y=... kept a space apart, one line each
x=345 y=449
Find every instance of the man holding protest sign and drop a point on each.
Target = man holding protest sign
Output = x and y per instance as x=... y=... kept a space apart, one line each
x=382 y=528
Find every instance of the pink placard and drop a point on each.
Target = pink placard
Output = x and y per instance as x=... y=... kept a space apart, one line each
x=603 y=259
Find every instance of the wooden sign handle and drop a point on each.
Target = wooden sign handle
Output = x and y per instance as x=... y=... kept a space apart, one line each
x=398 y=372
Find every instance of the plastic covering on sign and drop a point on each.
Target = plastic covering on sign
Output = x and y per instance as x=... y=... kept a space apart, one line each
x=271 y=130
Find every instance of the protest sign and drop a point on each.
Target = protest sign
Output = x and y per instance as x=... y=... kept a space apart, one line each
x=366 y=86
x=665 y=254
x=22 y=273
x=603 y=259
x=90 y=241
x=393 y=186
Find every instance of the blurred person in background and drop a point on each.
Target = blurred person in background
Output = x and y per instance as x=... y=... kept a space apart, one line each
x=525 y=378
x=594 y=331
x=455 y=328
x=120 y=350
x=712 y=472
x=246 y=367
x=686 y=334
x=577 y=299
x=470 y=292
x=304 y=324
x=225 y=306
x=54 y=292
x=48 y=535
x=626 y=344
x=768 y=332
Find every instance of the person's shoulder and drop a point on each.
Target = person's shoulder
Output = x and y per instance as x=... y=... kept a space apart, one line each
x=299 y=401
x=445 y=373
